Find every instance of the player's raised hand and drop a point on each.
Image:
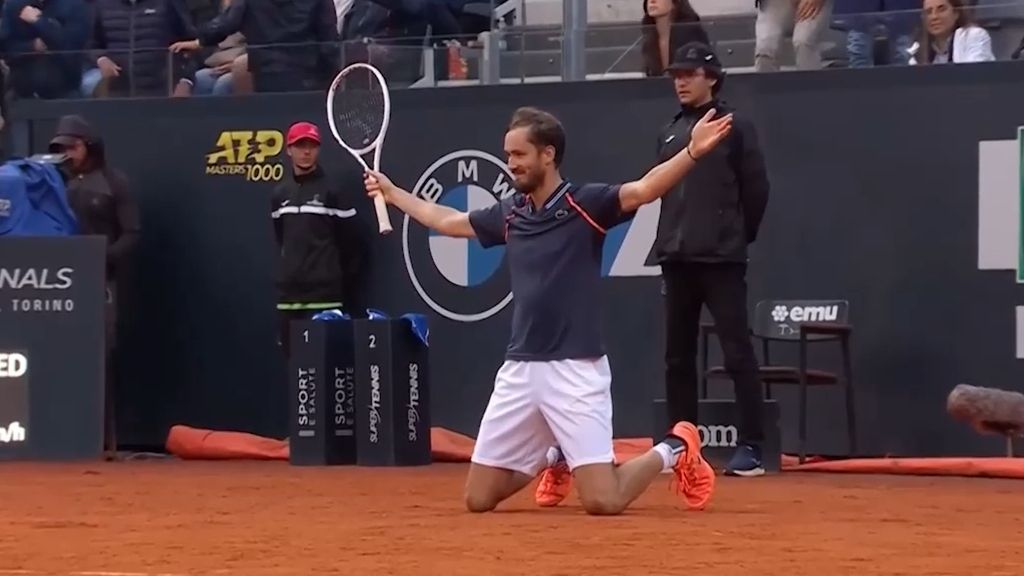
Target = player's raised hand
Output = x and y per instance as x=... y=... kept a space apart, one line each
x=708 y=132
x=377 y=184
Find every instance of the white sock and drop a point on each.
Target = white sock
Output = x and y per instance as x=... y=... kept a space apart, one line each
x=553 y=456
x=669 y=454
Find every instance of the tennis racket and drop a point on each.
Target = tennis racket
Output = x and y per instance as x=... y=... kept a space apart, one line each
x=358 y=112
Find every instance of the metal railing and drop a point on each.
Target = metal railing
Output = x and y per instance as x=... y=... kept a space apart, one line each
x=507 y=53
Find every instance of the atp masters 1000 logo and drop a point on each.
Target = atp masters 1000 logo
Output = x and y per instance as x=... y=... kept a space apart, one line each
x=252 y=154
x=457 y=277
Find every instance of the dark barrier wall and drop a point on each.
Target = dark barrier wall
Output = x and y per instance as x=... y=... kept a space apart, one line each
x=52 y=307
x=875 y=199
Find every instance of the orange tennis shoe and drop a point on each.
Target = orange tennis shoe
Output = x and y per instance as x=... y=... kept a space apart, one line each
x=694 y=477
x=555 y=484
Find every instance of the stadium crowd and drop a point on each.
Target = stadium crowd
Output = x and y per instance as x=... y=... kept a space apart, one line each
x=84 y=48
x=98 y=48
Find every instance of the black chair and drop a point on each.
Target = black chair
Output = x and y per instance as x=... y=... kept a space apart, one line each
x=800 y=322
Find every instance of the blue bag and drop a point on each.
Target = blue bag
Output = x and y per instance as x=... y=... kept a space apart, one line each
x=33 y=200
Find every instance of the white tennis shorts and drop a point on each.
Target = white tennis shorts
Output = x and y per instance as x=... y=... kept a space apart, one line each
x=537 y=405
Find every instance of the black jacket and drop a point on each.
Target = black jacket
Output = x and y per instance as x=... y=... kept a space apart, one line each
x=320 y=240
x=135 y=35
x=63 y=28
x=100 y=197
x=301 y=37
x=681 y=34
x=716 y=211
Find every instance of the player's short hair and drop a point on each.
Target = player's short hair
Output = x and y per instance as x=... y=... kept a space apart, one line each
x=543 y=129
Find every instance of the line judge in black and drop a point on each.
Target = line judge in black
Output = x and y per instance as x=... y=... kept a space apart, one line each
x=320 y=240
x=705 y=226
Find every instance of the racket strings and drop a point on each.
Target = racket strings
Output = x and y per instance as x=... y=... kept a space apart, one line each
x=359 y=111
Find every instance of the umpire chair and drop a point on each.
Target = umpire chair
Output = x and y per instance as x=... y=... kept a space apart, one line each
x=799 y=322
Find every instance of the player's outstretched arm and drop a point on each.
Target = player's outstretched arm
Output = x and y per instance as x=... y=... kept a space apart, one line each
x=706 y=134
x=447 y=221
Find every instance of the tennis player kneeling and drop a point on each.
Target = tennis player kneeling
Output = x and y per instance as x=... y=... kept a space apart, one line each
x=554 y=388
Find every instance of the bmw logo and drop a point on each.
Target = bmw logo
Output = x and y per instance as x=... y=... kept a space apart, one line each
x=457 y=277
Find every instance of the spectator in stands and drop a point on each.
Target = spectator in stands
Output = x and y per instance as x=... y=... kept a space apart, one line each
x=863 y=18
x=104 y=206
x=341 y=8
x=42 y=46
x=301 y=50
x=949 y=35
x=200 y=12
x=808 y=20
x=667 y=26
x=222 y=69
x=441 y=15
x=218 y=75
x=130 y=47
x=390 y=40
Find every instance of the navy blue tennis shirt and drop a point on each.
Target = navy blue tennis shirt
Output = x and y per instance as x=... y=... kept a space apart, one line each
x=554 y=260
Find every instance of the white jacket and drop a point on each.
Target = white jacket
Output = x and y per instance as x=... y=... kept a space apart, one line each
x=970 y=44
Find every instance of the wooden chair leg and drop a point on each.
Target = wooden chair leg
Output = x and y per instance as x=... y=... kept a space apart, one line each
x=109 y=418
x=803 y=418
x=851 y=407
x=703 y=364
x=111 y=356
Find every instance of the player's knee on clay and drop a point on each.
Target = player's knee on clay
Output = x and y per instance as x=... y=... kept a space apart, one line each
x=602 y=505
x=478 y=502
x=598 y=489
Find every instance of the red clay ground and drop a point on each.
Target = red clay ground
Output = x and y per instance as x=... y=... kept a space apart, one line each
x=264 y=519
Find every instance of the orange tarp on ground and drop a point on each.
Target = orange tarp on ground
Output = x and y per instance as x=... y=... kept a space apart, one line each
x=447 y=446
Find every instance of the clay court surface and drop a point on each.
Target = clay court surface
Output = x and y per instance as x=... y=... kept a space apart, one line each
x=255 y=519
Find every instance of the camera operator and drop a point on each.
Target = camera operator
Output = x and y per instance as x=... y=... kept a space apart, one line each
x=103 y=204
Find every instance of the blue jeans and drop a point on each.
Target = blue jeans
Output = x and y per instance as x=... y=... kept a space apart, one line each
x=90 y=79
x=860 y=39
x=208 y=83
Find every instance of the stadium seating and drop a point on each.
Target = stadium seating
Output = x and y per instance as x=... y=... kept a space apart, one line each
x=531 y=36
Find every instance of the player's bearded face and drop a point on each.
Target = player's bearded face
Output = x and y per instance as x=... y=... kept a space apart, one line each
x=528 y=176
x=525 y=161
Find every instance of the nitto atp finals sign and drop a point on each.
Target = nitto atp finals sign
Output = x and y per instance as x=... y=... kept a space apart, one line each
x=14 y=372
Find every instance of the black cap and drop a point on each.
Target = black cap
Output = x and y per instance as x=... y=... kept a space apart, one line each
x=695 y=55
x=69 y=129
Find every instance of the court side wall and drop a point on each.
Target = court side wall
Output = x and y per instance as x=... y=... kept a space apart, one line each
x=876 y=197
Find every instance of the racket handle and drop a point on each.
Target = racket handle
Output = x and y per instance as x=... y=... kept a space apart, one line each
x=383 y=219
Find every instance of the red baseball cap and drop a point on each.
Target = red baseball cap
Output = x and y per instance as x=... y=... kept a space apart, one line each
x=303 y=131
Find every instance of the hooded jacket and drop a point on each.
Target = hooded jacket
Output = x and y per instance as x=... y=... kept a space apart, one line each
x=716 y=211
x=98 y=194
